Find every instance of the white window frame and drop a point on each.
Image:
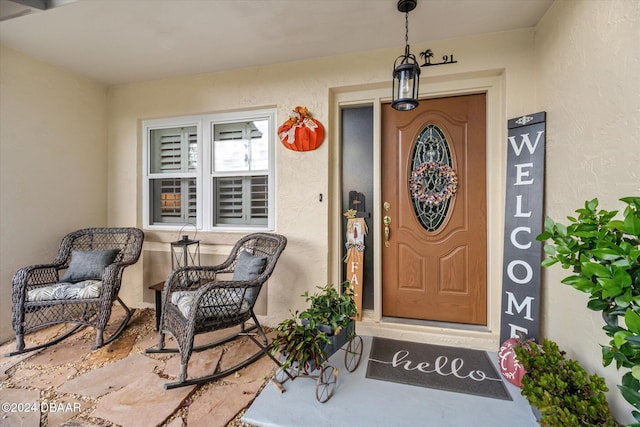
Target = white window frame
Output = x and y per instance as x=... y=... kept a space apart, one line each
x=204 y=171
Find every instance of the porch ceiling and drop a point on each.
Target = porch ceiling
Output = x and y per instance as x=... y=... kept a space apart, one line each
x=116 y=42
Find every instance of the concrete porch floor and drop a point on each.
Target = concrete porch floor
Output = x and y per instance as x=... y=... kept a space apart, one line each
x=362 y=402
x=70 y=385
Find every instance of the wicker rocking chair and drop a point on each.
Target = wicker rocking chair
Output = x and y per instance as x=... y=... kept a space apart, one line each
x=94 y=260
x=210 y=298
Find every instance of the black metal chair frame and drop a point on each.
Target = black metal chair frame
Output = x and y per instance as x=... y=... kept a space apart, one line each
x=28 y=316
x=211 y=308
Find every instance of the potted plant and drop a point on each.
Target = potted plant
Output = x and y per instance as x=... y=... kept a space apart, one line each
x=561 y=390
x=301 y=346
x=603 y=254
x=306 y=339
x=329 y=310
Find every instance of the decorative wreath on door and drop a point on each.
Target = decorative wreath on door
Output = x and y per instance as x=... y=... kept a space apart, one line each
x=442 y=174
x=301 y=132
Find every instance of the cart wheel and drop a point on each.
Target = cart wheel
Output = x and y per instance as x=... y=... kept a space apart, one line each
x=353 y=353
x=326 y=383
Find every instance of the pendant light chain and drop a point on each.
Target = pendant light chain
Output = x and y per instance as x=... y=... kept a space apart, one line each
x=406 y=28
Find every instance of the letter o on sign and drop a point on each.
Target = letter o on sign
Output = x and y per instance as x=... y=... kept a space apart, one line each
x=510 y=272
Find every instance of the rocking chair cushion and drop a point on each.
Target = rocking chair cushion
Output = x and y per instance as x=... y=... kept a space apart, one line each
x=88 y=265
x=62 y=291
x=223 y=302
x=249 y=267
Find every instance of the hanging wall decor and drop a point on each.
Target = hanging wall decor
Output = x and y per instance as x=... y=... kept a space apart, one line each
x=444 y=186
x=301 y=132
x=433 y=182
x=356 y=230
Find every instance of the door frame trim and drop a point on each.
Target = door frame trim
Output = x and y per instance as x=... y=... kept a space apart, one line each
x=492 y=83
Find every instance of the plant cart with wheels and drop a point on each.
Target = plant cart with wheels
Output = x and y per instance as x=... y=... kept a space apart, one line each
x=306 y=340
x=324 y=374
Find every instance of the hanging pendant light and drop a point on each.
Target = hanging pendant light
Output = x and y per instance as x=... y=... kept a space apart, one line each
x=406 y=72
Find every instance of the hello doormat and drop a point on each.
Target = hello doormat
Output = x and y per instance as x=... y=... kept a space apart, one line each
x=434 y=366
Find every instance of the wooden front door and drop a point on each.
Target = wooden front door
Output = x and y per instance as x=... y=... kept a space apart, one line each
x=434 y=252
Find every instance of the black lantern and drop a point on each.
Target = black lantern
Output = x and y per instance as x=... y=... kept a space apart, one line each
x=185 y=252
x=406 y=72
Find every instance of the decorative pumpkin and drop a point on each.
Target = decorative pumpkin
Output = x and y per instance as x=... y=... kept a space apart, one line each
x=301 y=132
x=510 y=368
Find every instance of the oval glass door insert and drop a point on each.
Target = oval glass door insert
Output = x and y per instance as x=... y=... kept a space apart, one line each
x=432 y=180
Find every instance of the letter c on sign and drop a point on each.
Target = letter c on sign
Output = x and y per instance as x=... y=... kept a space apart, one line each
x=512 y=276
x=515 y=243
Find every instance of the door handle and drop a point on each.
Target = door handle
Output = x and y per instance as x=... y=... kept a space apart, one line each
x=387 y=222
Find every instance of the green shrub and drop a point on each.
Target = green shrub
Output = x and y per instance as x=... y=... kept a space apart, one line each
x=603 y=254
x=561 y=389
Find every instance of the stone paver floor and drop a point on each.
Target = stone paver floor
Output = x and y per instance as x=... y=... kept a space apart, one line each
x=68 y=384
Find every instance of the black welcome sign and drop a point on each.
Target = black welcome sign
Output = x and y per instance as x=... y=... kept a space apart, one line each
x=523 y=222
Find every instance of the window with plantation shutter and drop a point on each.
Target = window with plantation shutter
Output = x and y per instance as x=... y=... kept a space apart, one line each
x=213 y=171
x=242 y=200
x=173 y=170
x=240 y=172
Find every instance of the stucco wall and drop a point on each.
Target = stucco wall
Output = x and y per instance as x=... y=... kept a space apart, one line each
x=587 y=81
x=301 y=177
x=53 y=168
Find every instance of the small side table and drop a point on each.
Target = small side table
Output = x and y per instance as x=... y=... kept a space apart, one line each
x=158 y=288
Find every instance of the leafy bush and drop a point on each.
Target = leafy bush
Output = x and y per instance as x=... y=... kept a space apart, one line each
x=561 y=389
x=604 y=255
